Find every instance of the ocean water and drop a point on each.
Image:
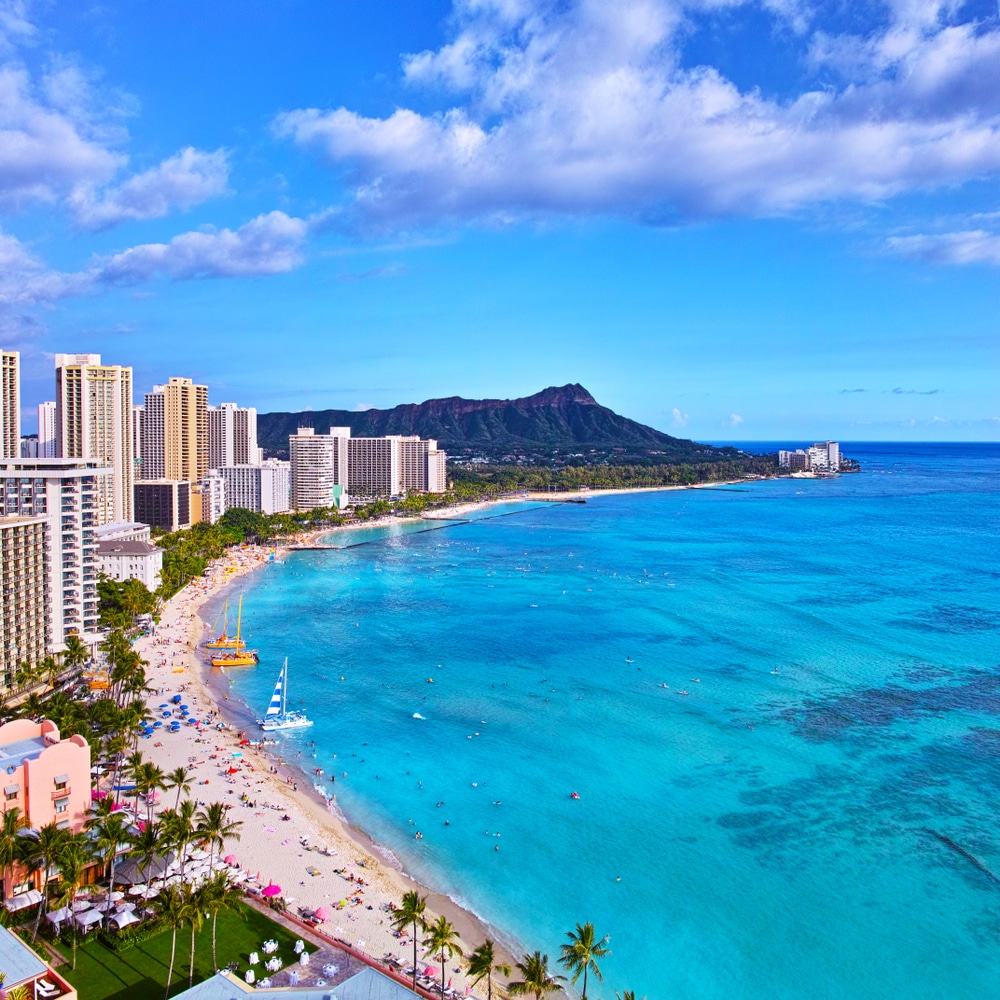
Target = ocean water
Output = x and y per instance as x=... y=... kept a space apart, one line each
x=778 y=703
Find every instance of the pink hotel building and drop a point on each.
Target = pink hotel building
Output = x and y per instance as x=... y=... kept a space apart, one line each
x=46 y=777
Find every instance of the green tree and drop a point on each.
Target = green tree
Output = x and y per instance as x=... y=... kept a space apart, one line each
x=12 y=822
x=535 y=977
x=218 y=895
x=215 y=828
x=581 y=953
x=411 y=912
x=170 y=908
x=482 y=962
x=74 y=858
x=76 y=653
x=194 y=915
x=180 y=778
x=442 y=941
x=40 y=852
x=110 y=834
x=149 y=779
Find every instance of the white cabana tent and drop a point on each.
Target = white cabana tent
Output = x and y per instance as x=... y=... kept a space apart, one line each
x=58 y=916
x=124 y=918
x=30 y=898
x=88 y=918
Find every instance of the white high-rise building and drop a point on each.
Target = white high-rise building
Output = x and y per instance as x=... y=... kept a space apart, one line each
x=208 y=498
x=232 y=436
x=67 y=493
x=10 y=404
x=265 y=488
x=824 y=456
x=94 y=420
x=373 y=467
x=47 y=430
x=152 y=457
x=315 y=461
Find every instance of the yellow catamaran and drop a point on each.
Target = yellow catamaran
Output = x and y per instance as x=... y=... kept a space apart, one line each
x=224 y=640
x=240 y=656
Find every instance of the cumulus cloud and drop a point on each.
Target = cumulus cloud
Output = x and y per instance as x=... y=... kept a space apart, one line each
x=182 y=181
x=734 y=420
x=25 y=279
x=582 y=107
x=268 y=244
x=44 y=152
x=975 y=246
x=678 y=419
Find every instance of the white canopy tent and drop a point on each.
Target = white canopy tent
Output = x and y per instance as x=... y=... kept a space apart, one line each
x=88 y=918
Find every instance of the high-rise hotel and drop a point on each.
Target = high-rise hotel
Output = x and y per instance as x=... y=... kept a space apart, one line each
x=94 y=420
x=10 y=404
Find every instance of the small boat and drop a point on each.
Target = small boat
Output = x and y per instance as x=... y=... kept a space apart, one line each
x=240 y=656
x=574 y=795
x=224 y=640
x=277 y=717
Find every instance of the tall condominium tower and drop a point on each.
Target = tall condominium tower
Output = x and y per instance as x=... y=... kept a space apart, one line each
x=23 y=614
x=94 y=420
x=47 y=430
x=318 y=465
x=175 y=432
x=10 y=404
x=232 y=436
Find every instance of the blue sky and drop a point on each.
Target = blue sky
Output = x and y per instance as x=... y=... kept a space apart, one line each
x=750 y=221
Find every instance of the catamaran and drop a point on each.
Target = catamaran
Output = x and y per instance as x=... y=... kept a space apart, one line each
x=277 y=716
x=240 y=656
x=224 y=640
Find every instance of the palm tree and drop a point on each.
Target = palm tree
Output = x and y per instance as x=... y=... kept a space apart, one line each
x=111 y=833
x=51 y=669
x=180 y=828
x=536 y=977
x=482 y=962
x=215 y=829
x=149 y=779
x=218 y=895
x=149 y=845
x=582 y=952
x=170 y=908
x=11 y=823
x=179 y=778
x=74 y=859
x=411 y=912
x=194 y=914
x=76 y=653
x=40 y=851
x=442 y=941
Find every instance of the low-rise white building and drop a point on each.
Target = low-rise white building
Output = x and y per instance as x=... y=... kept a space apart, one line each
x=127 y=559
x=131 y=531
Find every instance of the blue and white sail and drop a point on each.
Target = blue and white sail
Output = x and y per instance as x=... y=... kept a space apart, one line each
x=277 y=715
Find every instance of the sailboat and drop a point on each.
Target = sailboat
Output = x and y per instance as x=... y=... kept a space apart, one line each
x=240 y=656
x=277 y=717
x=224 y=640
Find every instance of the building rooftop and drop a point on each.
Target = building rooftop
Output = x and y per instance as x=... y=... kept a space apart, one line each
x=18 y=960
x=125 y=547
x=366 y=985
x=14 y=754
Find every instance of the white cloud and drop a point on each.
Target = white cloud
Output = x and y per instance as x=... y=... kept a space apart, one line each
x=976 y=246
x=734 y=420
x=586 y=107
x=25 y=279
x=181 y=181
x=44 y=153
x=269 y=244
x=677 y=418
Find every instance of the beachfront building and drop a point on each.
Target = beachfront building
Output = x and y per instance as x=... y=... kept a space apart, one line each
x=48 y=779
x=25 y=974
x=232 y=436
x=208 y=498
x=795 y=461
x=824 y=457
x=125 y=559
x=10 y=404
x=65 y=492
x=94 y=420
x=265 y=488
x=23 y=615
x=163 y=503
x=318 y=466
x=47 y=444
x=368 y=984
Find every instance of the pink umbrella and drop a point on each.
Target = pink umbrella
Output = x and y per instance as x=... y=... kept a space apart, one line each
x=322 y=914
x=271 y=890
x=431 y=970
x=230 y=859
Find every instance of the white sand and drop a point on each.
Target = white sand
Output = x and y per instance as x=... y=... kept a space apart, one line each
x=284 y=831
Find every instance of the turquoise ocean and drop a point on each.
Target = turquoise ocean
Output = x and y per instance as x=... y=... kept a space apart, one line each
x=778 y=703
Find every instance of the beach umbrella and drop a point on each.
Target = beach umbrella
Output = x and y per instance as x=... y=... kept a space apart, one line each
x=322 y=914
x=230 y=859
x=137 y=890
x=117 y=895
x=271 y=890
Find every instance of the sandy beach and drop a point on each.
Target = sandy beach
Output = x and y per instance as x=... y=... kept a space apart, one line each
x=289 y=834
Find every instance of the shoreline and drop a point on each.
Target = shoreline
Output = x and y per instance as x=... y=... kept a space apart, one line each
x=265 y=789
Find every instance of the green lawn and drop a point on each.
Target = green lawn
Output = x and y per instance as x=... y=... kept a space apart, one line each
x=141 y=971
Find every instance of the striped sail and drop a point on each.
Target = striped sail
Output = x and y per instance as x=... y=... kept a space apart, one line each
x=274 y=709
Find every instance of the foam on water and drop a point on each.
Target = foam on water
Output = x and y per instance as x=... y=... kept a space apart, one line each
x=815 y=816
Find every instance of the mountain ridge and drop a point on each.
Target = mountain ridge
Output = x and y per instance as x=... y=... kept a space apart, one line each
x=555 y=419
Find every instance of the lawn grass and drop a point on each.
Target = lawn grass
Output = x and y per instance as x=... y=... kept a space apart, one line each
x=141 y=971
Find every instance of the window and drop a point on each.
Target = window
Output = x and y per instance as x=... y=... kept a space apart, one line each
x=11 y=792
x=61 y=780
x=62 y=805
